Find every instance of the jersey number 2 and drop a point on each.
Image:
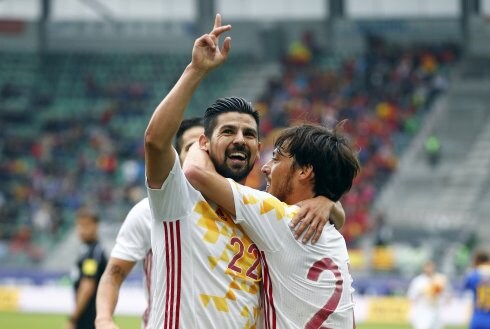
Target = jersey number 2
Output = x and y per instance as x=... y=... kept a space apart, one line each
x=314 y=274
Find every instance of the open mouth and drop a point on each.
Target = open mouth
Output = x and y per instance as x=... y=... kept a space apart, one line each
x=268 y=184
x=237 y=157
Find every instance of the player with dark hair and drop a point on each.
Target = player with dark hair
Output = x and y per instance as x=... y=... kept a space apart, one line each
x=188 y=132
x=89 y=268
x=133 y=243
x=207 y=271
x=236 y=162
x=478 y=282
x=305 y=286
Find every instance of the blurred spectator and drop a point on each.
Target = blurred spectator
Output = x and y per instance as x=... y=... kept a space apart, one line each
x=383 y=233
x=433 y=150
x=21 y=245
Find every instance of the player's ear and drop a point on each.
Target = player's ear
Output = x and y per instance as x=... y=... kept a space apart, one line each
x=306 y=172
x=259 y=147
x=204 y=143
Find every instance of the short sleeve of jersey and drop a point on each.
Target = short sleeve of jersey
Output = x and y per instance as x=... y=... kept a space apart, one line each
x=133 y=240
x=171 y=201
x=90 y=265
x=262 y=216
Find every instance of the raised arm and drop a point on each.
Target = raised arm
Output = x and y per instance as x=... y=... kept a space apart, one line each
x=166 y=119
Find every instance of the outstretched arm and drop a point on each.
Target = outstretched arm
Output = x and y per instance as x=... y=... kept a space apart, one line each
x=206 y=55
x=314 y=213
x=108 y=291
x=265 y=230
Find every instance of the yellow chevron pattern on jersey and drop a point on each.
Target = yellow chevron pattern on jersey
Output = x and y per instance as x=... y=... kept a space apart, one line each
x=249 y=286
x=218 y=224
x=213 y=261
x=210 y=221
x=250 y=199
x=218 y=302
x=272 y=203
x=221 y=303
x=246 y=313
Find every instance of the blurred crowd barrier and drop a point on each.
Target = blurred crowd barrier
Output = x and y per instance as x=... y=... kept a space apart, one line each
x=372 y=309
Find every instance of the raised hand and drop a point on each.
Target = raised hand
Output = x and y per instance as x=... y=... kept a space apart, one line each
x=206 y=54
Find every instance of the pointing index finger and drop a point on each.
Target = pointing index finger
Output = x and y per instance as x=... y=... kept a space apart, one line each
x=217 y=21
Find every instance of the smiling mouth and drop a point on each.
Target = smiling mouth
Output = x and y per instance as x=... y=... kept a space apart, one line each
x=237 y=157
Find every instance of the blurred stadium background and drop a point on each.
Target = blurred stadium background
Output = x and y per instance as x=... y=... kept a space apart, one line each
x=80 y=78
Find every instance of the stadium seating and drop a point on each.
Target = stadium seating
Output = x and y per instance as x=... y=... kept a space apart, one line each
x=384 y=93
x=71 y=128
x=71 y=125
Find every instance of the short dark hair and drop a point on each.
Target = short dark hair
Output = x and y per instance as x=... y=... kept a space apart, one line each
x=226 y=105
x=481 y=257
x=331 y=155
x=184 y=126
x=88 y=212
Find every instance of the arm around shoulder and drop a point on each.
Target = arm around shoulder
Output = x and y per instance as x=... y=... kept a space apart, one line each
x=212 y=185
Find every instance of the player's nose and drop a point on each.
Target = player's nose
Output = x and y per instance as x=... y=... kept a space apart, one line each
x=239 y=138
x=266 y=169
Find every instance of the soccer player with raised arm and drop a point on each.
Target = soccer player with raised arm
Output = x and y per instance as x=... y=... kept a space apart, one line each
x=206 y=270
x=305 y=286
x=133 y=243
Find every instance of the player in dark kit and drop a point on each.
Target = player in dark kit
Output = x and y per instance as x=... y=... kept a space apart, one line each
x=90 y=265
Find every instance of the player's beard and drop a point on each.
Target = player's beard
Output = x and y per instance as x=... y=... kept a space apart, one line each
x=238 y=173
x=283 y=188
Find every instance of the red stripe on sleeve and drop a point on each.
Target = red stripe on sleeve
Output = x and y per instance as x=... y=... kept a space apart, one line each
x=172 y=274
x=169 y=278
x=179 y=274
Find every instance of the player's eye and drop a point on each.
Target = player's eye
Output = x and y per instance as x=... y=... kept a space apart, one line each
x=250 y=134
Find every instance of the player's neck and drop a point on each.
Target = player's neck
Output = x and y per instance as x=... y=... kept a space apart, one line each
x=299 y=194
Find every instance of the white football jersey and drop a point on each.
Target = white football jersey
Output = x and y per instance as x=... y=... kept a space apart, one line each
x=427 y=294
x=305 y=286
x=206 y=269
x=133 y=244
